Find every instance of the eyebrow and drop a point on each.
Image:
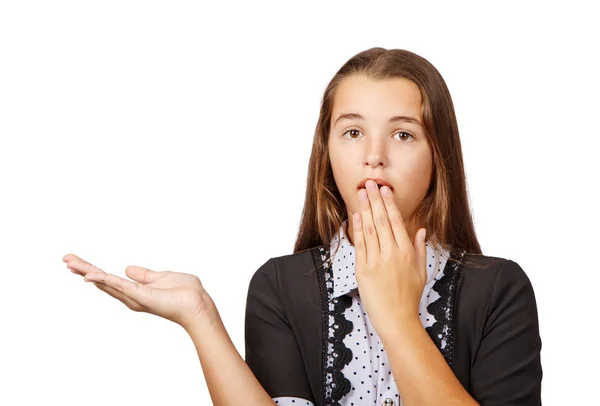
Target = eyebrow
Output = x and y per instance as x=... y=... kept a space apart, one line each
x=356 y=116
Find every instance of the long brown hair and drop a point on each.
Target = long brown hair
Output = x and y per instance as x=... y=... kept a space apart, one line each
x=444 y=211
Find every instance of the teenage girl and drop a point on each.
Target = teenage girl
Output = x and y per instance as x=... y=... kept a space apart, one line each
x=387 y=298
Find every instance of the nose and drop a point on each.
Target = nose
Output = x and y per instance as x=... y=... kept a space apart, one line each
x=375 y=154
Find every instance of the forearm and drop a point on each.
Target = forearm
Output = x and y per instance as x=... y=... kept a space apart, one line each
x=229 y=379
x=422 y=375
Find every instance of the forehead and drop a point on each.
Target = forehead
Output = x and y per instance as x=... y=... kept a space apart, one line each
x=377 y=99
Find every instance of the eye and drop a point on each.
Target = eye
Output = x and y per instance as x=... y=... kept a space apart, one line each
x=351 y=129
x=404 y=132
x=406 y=137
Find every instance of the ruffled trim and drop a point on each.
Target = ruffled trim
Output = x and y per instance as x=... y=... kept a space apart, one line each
x=335 y=327
x=442 y=309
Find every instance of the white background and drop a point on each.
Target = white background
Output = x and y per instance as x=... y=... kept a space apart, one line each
x=176 y=136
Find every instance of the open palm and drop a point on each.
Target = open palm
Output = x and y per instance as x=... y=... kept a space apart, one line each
x=175 y=296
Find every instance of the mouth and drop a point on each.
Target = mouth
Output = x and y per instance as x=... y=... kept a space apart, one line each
x=380 y=182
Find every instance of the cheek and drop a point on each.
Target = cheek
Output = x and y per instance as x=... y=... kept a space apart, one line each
x=341 y=176
x=414 y=185
x=345 y=180
x=418 y=177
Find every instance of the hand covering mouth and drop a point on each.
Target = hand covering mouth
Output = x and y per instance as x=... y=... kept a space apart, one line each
x=380 y=182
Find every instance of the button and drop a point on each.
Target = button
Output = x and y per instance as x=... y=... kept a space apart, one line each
x=388 y=402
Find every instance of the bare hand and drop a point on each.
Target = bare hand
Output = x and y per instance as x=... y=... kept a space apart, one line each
x=175 y=296
x=390 y=268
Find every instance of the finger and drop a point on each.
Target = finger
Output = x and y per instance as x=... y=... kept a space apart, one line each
x=143 y=275
x=396 y=221
x=133 y=290
x=380 y=217
x=369 y=231
x=130 y=303
x=359 y=241
x=79 y=265
x=421 y=253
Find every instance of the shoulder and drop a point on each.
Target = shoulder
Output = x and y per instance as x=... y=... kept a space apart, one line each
x=489 y=273
x=492 y=287
x=285 y=271
x=286 y=288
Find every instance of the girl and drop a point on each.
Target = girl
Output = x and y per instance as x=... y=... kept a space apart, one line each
x=387 y=298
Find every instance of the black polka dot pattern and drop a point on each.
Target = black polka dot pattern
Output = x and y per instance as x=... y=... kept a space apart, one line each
x=369 y=370
x=286 y=400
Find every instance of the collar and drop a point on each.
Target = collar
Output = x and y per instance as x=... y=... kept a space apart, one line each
x=344 y=280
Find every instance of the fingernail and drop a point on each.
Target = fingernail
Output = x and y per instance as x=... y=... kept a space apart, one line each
x=423 y=234
x=385 y=191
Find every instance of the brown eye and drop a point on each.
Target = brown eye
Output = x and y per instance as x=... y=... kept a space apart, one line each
x=406 y=134
x=352 y=129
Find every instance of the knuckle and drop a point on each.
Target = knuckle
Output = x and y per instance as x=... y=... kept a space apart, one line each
x=396 y=221
x=381 y=220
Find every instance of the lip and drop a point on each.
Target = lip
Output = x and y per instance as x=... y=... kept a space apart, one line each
x=379 y=181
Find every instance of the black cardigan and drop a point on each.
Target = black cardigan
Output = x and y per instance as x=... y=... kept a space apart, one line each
x=493 y=348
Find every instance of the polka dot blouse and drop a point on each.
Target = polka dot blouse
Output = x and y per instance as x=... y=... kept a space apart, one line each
x=369 y=373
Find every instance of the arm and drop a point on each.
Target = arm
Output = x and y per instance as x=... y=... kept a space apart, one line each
x=273 y=369
x=180 y=297
x=507 y=369
x=229 y=380
x=272 y=350
x=421 y=373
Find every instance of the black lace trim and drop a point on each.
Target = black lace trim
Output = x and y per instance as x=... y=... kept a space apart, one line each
x=341 y=355
x=443 y=308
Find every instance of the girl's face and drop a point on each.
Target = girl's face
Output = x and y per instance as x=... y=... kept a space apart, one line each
x=376 y=132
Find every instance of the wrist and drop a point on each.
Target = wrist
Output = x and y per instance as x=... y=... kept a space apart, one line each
x=400 y=327
x=204 y=318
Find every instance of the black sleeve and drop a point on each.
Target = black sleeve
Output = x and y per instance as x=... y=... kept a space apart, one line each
x=272 y=352
x=507 y=369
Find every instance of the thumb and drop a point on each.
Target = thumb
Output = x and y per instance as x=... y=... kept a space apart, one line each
x=143 y=275
x=421 y=251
